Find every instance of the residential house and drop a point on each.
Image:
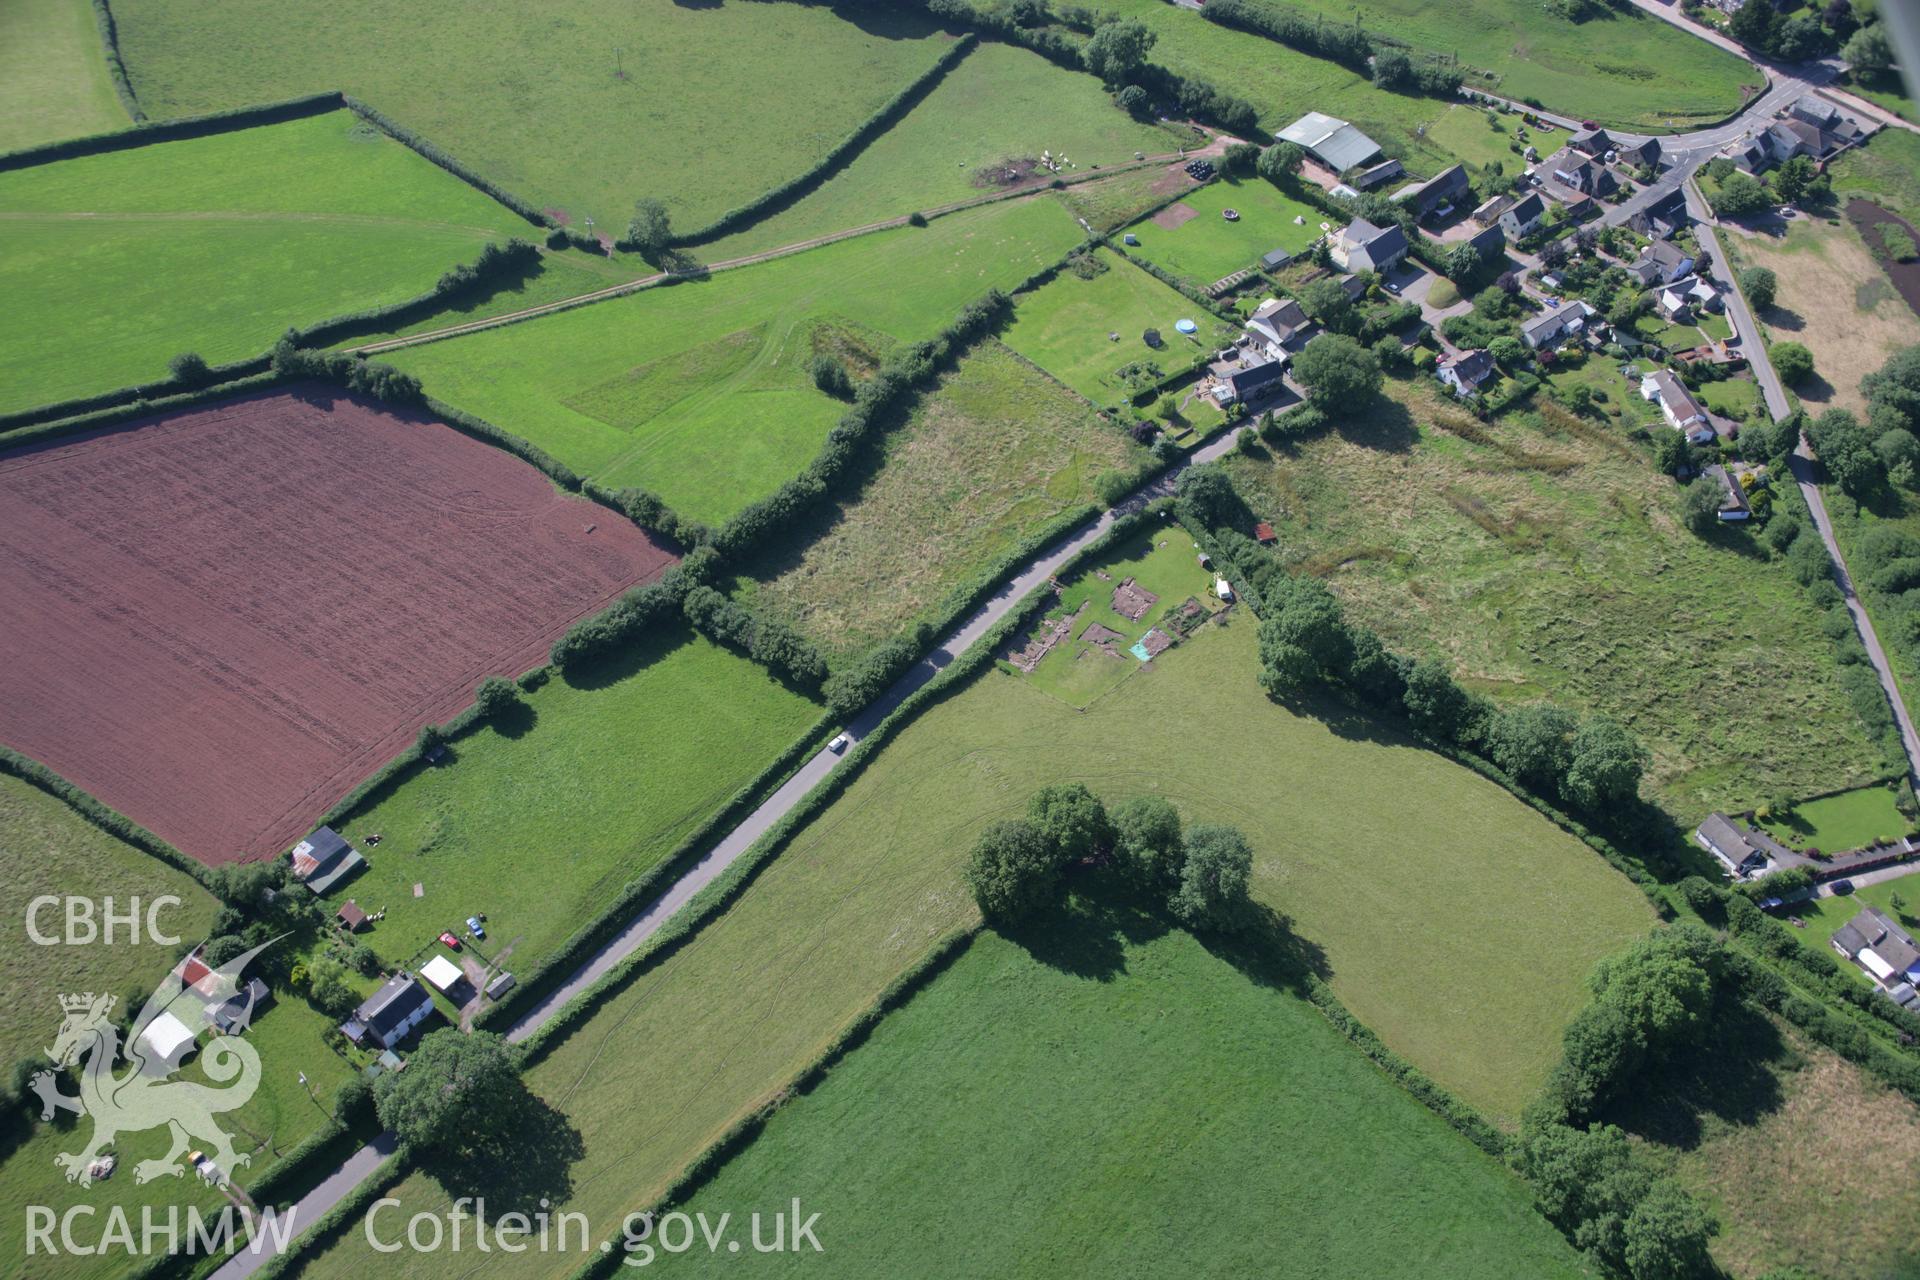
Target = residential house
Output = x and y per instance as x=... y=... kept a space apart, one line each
x=323 y=860
x=1333 y=142
x=1581 y=173
x=1523 y=217
x=1375 y=175
x=1679 y=301
x=1677 y=405
x=1638 y=155
x=1875 y=942
x=1828 y=130
x=1661 y=262
x=1361 y=246
x=1749 y=153
x=1593 y=142
x=1733 y=502
x=1732 y=845
x=1355 y=287
x=389 y=1014
x=1488 y=214
x=1489 y=244
x=1437 y=196
x=1248 y=384
x=237 y=1012
x=1790 y=138
x=1276 y=327
x=1467 y=374
x=1662 y=217
x=1554 y=326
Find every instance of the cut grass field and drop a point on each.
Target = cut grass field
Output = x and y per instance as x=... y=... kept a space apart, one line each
x=1886 y=170
x=1833 y=298
x=541 y=820
x=53 y=76
x=1397 y=895
x=992 y=457
x=1619 y=68
x=1464 y=131
x=698 y=391
x=1067 y=325
x=48 y=849
x=112 y=264
x=1207 y=247
x=1541 y=564
x=583 y=110
x=1850 y=820
x=962 y=1102
x=1000 y=104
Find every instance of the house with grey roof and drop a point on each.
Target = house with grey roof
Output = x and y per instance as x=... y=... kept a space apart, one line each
x=1733 y=498
x=1487 y=213
x=1552 y=327
x=1663 y=217
x=1361 y=246
x=1249 y=383
x=1332 y=141
x=1593 y=142
x=1489 y=244
x=1581 y=173
x=1876 y=942
x=1467 y=374
x=1677 y=405
x=1523 y=217
x=323 y=860
x=1661 y=262
x=1732 y=846
x=1637 y=155
x=389 y=1014
x=1437 y=195
x=1277 y=326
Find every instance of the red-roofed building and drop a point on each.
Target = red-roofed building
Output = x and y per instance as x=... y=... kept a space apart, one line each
x=1263 y=533
x=192 y=970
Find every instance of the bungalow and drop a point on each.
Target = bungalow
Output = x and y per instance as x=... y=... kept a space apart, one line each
x=1374 y=175
x=1661 y=262
x=1733 y=505
x=1551 y=328
x=1437 y=196
x=1521 y=218
x=1886 y=951
x=1333 y=142
x=387 y=1015
x=1677 y=405
x=1468 y=373
x=1662 y=217
x=1749 y=153
x=1593 y=142
x=323 y=860
x=1276 y=327
x=1678 y=300
x=1732 y=845
x=1488 y=213
x=1243 y=385
x=1639 y=155
x=1361 y=246
x=1581 y=173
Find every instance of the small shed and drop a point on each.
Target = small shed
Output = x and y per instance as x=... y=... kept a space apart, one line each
x=442 y=974
x=165 y=1040
x=1263 y=533
x=501 y=984
x=351 y=916
x=1221 y=589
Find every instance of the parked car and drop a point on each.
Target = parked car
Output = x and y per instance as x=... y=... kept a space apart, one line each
x=474 y=927
x=839 y=745
x=452 y=942
x=1843 y=887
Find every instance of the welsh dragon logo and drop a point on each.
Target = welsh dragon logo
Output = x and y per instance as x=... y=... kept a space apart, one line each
x=143 y=1096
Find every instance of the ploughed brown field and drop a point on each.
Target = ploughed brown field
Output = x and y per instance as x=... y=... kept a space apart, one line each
x=220 y=621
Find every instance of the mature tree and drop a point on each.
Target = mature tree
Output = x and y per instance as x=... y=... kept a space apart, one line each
x=1071 y=820
x=1213 y=879
x=830 y=376
x=1893 y=391
x=1205 y=496
x=1753 y=29
x=1670 y=452
x=1117 y=50
x=1759 y=284
x=1534 y=744
x=1553 y=254
x=1435 y=701
x=1327 y=303
x=1460 y=261
x=1147 y=837
x=1013 y=872
x=1240 y=158
x=1793 y=179
x=459 y=1088
x=1666 y=1236
x=1846 y=451
x=1375 y=673
x=1337 y=371
x=1793 y=362
x=1308 y=617
x=1392 y=68
x=1593 y=1185
x=1134 y=101
x=496 y=696
x=1700 y=505
x=190 y=368
x=1741 y=193
x=1280 y=162
x=1799 y=39
x=1869 y=51
x=651 y=231
x=1899 y=454
x=1605 y=768
x=1508 y=352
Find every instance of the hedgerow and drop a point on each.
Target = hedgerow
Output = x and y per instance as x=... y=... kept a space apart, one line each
x=116 y=69
x=432 y=151
x=311 y=104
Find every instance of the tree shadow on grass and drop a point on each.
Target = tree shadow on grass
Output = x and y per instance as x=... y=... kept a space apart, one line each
x=1266 y=949
x=1728 y=1074
x=653 y=644
x=514 y=721
x=1784 y=318
x=1384 y=425
x=1087 y=935
x=532 y=1161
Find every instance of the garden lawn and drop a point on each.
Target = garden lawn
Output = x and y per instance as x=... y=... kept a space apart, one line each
x=53 y=76
x=1825 y=916
x=1620 y=68
x=539 y=822
x=1886 y=170
x=1550 y=565
x=46 y=848
x=281 y=1113
x=1000 y=104
x=112 y=264
x=1207 y=247
x=921 y=1148
x=583 y=110
x=1430 y=931
x=1850 y=820
x=1731 y=397
x=698 y=391
x=992 y=457
x=1464 y=131
x=1067 y=325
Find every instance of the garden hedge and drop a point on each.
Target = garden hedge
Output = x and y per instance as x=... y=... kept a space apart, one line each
x=414 y=142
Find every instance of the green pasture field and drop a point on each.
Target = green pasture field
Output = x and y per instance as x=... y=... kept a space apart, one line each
x=1850 y=820
x=112 y=264
x=281 y=1113
x=1464 y=131
x=48 y=849
x=1886 y=171
x=542 y=819
x=963 y=1101
x=53 y=76
x=1622 y=68
x=1164 y=563
x=699 y=390
x=991 y=457
x=1552 y=565
x=1207 y=247
x=1454 y=877
x=1066 y=328
x=1001 y=103
x=583 y=110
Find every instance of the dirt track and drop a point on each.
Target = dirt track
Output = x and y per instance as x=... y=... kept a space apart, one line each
x=220 y=622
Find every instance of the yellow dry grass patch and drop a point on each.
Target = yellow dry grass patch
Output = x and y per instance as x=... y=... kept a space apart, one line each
x=1834 y=298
